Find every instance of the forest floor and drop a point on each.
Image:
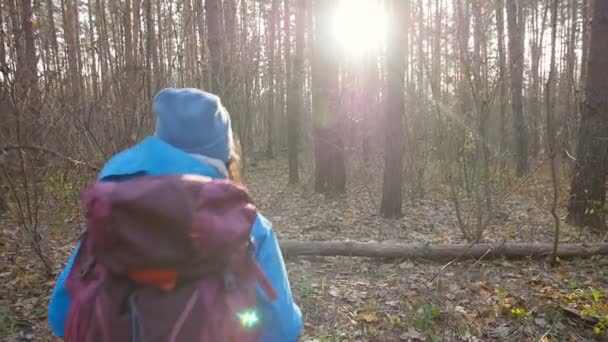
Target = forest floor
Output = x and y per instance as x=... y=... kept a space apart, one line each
x=358 y=299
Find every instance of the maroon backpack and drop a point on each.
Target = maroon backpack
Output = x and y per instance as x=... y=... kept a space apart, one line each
x=165 y=259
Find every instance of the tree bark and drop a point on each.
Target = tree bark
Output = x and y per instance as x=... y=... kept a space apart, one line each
x=570 y=112
x=286 y=82
x=516 y=26
x=136 y=31
x=437 y=252
x=17 y=37
x=588 y=188
x=502 y=72
x=436 y=59
x=53 y=37
x=330 y=171
x=392 y=194
x=230 y=39
x=246 y=77
x=128 y=30
x=104 y=48
x=295 y=104
x=94 y=49
x=71 y=46
x=30 y=72
x=271 y=115
x=535 y=87
x=161 y=54
x=152 y=63
x=551 y=133
x=3 y=66
x=585 y=47
x=200 y=24
x=213 y=11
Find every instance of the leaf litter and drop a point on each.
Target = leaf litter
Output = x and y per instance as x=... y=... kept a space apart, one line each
x=358 y=299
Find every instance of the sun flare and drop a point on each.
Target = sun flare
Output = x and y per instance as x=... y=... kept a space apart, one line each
x=360 y=26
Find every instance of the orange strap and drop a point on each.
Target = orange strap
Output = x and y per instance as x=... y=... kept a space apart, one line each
x=162 y=279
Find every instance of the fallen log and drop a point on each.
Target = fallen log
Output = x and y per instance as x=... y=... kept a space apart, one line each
x=437 y=252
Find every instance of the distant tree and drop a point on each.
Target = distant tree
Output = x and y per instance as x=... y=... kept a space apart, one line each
x=516 y=29
x=3 y=66
x=213 y=10
x=551 y=131
x=588 y=188
x=271 y=116
x=152 y=62
x=394 y=112
x=71 y=36
x=538 y=25
x=295 y=104
x=330 y=170
x=29 y=71
x=502 y=74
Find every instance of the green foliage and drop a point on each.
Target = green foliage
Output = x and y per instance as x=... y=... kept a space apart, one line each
x=596 y=208
x=7 y=321
x=423 y=317
x=553 y=313
x=59 y=186
x=520 y=314
x=601 y=326
x=502 y=293
x=573 y=285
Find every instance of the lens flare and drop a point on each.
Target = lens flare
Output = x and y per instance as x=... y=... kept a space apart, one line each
x=360 y=26
x=248 y=318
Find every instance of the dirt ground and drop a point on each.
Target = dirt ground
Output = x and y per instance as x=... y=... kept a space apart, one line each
x=357 y=299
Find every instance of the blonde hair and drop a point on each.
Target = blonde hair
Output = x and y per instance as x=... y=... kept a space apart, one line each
x=234 y=162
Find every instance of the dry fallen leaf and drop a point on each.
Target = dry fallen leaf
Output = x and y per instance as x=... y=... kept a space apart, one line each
x=369 y=317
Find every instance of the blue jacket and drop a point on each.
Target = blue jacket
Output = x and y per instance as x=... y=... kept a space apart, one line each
x=281 y=320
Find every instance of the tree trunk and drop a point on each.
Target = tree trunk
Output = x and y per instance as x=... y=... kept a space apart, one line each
x=200 y=24
x=287 y=66
x=17 y=37
x=230 y=40
x=187 y=64
x=104 y=49
x=585 y=48
x=161 y=54
x=213 y=11
x=94 y=48
x=71 y=46
x=152 y=63
x=246 y=77
x=516 y=28
x=30 y=71
x=535 y=87
x=3 y=66
x=391 y=204
x=437 y=252
x=271 y=115
x=436 y=61
x=330 y=171
x=128 y=38
x=551 y=132
x=136 y=31
x=502 y=72
x=53 y=37
x=296 y=106
x=588 y=188
x=570 y=114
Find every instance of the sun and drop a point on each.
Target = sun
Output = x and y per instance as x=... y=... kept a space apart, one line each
x=360 y=26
